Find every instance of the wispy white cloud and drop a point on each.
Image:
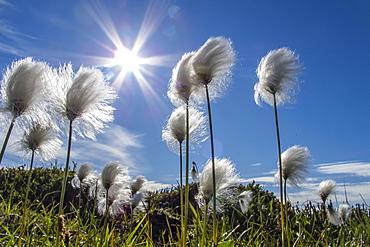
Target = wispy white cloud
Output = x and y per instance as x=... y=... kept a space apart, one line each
x=257 y=164
x=357 y=168
x=263 y=180
x=116 y=143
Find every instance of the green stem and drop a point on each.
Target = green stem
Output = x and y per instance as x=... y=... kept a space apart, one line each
x=215 y=229
x=204 y=228
x=282 y=214
x=24 y=214
x=186 y=213
x=183 y=228
x=6 y=139
x=64 y=181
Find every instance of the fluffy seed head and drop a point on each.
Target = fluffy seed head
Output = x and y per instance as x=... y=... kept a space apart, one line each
x=41 y=139
x=295 y=163
x=225 y=177
x=84 y=98
x=137 y=184
x=114 y=173
x=23 y=88
x=174 y=132
x=212 y=65
x=119 y=200
x=333 y=215
x=325 y=189
x=344 y=212
x=181 y=85
x=277 y=74
x=245 y=198
x=85 y=175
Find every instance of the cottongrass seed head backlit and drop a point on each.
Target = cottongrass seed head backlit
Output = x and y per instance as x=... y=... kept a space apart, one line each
x=174 y=132
x=24 y=91
x=325 y=189
x=225 y=178
x=295 y=164
x=182 y=85
x=213 y=64
x=42 y=139
x=277 y=74
x=84 y=98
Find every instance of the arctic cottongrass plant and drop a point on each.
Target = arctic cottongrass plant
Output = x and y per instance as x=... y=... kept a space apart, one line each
x=325 y=189
x=42 y=141
x=277 y=73
x=22 y=91
x=83 y=98
x=189 y=125
x=245 y=198
x=295 y=165
x=212 y=65
x=174 y=132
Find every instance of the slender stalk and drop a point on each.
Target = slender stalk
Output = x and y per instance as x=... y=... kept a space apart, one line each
x=204 y=228
x=285 y=194
x=64 y=181
x=215 y=233
x=24 y=211
x=183 y=228
x=106 y=225
x=282 y=214
x=7 y=139
x=186 y=213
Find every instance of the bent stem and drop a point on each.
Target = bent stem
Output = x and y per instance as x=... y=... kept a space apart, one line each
x=7 y=139
x=24 y=211
x=64 y=181
x=215 y=233
x=282 y=214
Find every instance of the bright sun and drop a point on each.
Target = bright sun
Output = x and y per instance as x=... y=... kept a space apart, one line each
x=127 y=59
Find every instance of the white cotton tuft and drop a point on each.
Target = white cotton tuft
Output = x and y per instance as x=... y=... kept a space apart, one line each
x=182 y=85
x=344 y=212
x=85 y=176
x=119 y=200
x=213 y=64
x=295 y=162
x=174 y=133
x=84 y=98
x=41 y=139
x=24 y=91
x=225 y=177
x=137 y=184
x=277 y=74
x=114 y=173
x=333 y=216
x=245 y=198
x=325 y=189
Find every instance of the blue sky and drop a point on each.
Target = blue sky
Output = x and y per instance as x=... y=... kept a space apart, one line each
x=330 y=116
